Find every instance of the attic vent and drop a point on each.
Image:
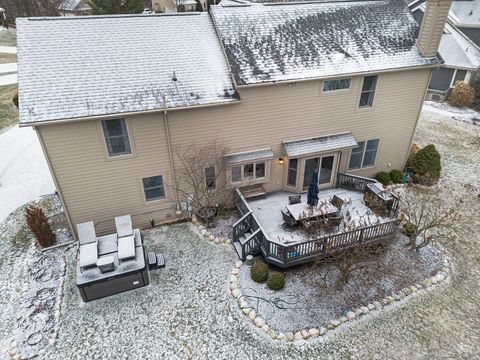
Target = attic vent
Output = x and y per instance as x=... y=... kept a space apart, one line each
x=174 y=77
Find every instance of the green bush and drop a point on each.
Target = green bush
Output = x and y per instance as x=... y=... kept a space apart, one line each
x=409 y=229
x=259 y=271
x=276 y=280
x=383 y=177
x=396 y=176
x=425 y=165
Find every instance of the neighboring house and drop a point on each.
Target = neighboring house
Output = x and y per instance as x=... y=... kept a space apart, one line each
x=290 y=88
x=460 y=54
x=75 y=7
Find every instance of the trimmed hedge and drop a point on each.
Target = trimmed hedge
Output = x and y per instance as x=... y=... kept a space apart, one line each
x=259 y=271
x=383 y=177
x=425 y=165
x=396 y=176
x=276 y=280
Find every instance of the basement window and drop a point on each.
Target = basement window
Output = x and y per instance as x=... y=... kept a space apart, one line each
x=153 y=188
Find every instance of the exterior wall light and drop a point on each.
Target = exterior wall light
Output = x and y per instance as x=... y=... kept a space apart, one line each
x=281 y=161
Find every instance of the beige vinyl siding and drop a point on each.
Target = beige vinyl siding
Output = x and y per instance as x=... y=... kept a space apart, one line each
x=97 y=188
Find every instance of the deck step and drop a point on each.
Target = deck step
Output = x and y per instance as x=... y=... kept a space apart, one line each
x=243 y=239
x=238 y=249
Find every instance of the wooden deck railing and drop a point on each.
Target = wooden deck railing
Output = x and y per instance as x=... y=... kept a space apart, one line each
x=353 y=182
x=284 y=255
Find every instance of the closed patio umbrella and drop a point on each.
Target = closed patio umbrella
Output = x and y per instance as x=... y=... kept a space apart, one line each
x=312 y=196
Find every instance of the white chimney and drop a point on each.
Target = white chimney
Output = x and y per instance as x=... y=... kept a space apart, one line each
x=431 y=30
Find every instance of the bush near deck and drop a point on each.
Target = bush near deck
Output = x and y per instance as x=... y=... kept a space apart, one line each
x=425 y=166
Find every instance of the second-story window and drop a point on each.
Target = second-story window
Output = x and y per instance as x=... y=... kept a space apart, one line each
x=368 y=91
x=340 y=84
x=116 y=137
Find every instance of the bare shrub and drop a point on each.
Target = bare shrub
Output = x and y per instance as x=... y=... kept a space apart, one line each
x=462 y=94
x=430 y=217
x=39 y=226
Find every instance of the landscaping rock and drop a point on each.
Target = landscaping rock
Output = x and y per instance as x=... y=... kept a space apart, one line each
x=236 y=293
x=391 y=299
x=305 y=334
x=350 y=315
x=281 y=336
x=259 y=322
x=314 y=332
x=377 y=305
x=290 y=336
x=334 y=323
x=440 y=277
x=246 y=311
x=414 y=289
x=243 y=304
x=322 y=330
x=238 y=264
x=298 y=336
x=252 y=315
x=365 y=309
x=371 y=307
x=233 y=286
x=265 y=328
x=233 y=278
x=397 y=297
x=272 y=334
x=235 y=272
x=212 y=238
x=203 y=232
x=343 y=319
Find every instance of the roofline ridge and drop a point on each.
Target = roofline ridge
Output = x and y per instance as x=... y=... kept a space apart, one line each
x=113 y=16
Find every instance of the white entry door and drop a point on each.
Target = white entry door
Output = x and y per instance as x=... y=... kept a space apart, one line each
x=325 y=166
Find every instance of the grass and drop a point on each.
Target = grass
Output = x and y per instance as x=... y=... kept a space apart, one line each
x=8 y=37
x=8 y=110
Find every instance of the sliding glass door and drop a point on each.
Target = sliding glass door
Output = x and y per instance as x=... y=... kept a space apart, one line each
x=324 y=165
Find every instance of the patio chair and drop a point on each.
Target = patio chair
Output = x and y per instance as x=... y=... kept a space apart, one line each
x=294 y=199
x=126 y=238
x=88 y=245
x=289 y=223
x=335 y=221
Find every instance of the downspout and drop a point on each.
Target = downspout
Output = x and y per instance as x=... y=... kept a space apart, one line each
x=49 y=164
x=170 y=155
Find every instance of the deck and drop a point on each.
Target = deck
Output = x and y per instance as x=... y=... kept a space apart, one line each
x=260 y=230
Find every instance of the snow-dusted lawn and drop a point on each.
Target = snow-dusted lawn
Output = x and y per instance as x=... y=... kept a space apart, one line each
x=24 y=174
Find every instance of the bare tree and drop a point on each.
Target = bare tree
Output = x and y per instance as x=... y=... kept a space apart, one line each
x=201 y=177
x=426 y=216
x=354 y=259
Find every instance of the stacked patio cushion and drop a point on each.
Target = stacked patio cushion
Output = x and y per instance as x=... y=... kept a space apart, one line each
x=88 y=244
x=126 y=238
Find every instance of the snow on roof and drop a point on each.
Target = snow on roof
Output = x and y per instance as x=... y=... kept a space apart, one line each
x=455 y=48
x=275 y=42
x=319 y=144
x=73 y=67
x=248 y=156
x=467 y=12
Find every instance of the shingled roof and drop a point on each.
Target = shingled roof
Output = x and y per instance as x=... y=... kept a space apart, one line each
x=272 y=42
x=76 y=67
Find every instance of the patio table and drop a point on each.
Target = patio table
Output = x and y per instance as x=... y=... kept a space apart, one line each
x=303 y=211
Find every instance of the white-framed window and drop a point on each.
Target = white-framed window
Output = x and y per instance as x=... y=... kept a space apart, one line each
x=339 y=84
x=249 y=172
x=153 y=188
x=368 y=91
x=458 y=75
x=292 y=172
x=210 y=178
x=364 y=154
x=116 y=137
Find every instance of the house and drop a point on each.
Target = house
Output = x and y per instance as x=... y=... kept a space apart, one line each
x=74 y=7
x=460 y=54
x=290 y=88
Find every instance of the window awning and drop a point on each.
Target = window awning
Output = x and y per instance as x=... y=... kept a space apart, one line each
x=254 y=155
x=320 y=144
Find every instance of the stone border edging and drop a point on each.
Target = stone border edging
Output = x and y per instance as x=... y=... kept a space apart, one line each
x=206 y=234
x=353 y=314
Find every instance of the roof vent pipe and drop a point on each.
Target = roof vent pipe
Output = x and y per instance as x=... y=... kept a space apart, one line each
x=431 y=30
